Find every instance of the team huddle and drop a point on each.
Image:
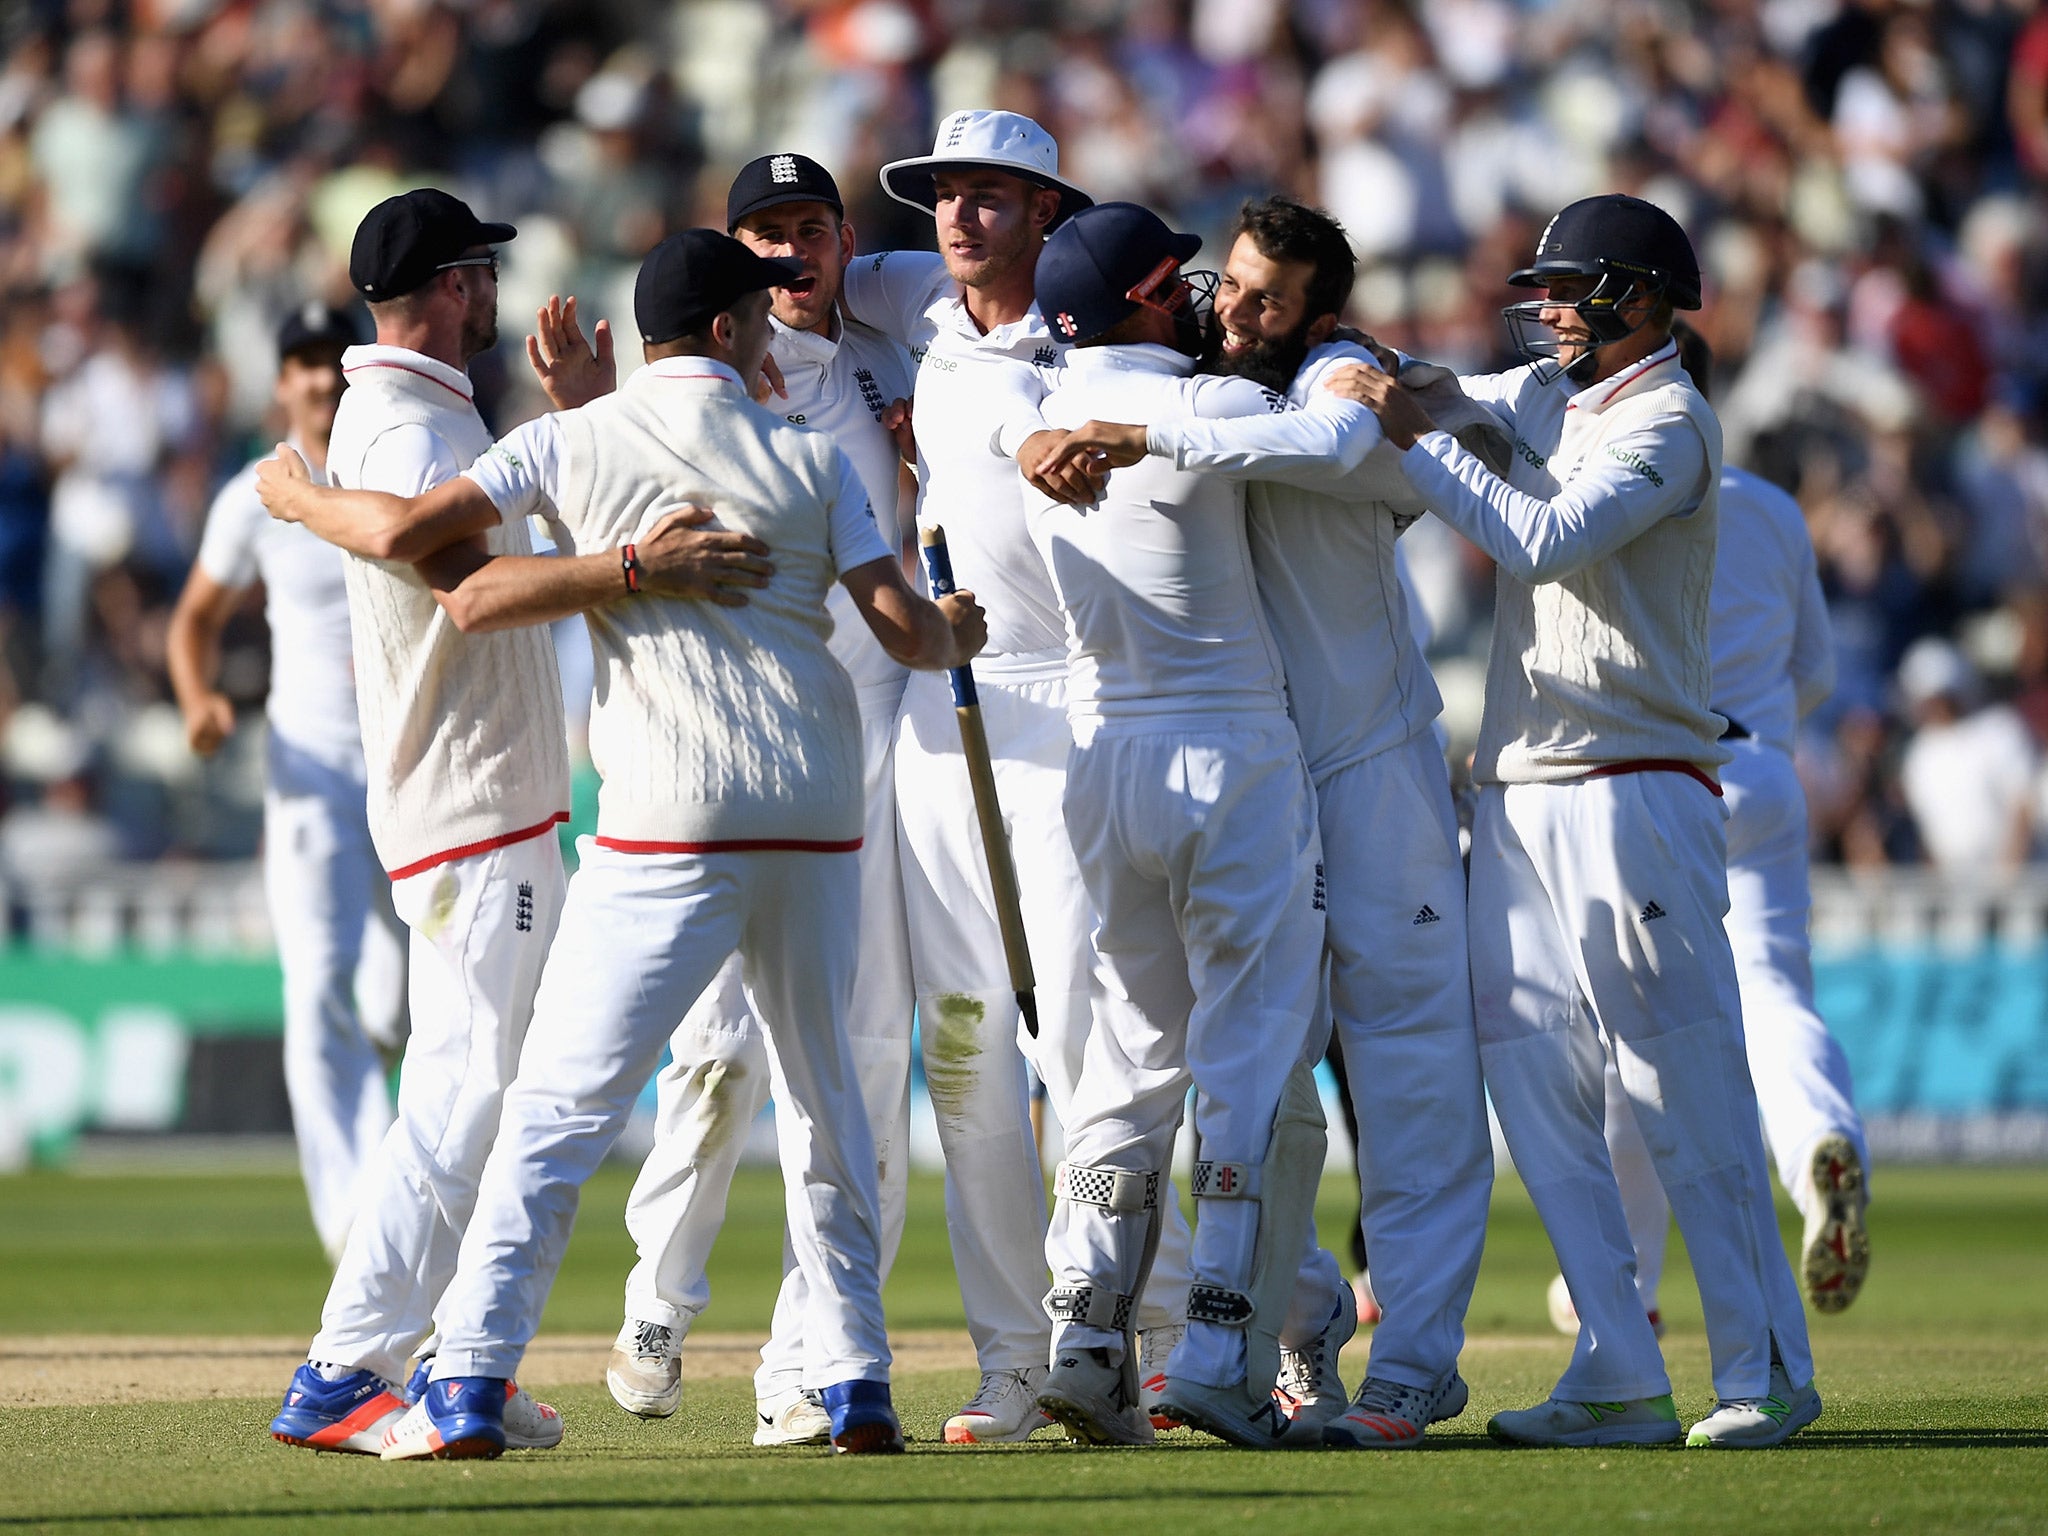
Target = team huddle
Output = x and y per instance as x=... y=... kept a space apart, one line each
x=1172 y=500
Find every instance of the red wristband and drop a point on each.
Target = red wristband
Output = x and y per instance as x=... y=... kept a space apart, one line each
x=630 y=559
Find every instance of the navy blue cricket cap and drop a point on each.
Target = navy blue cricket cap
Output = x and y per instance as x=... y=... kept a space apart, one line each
x=1092 y=263
x=405 y=240
x=773 y=180
x=314 y=325
x=692 y=277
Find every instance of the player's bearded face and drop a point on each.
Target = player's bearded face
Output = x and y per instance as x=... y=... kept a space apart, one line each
x=814 y=234
x=480 y=311
x=1260 y=326
x=989 y=224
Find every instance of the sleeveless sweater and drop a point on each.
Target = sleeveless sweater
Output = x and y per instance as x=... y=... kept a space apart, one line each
x=715 y=729
x=463 y=735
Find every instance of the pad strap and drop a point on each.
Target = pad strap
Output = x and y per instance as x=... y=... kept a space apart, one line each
x=1216 y=1304
x=1089 y=1306
x=1113 y=1189
x=1226 y=1181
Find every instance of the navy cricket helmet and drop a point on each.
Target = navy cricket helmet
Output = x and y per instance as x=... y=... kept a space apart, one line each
x=1630 y=246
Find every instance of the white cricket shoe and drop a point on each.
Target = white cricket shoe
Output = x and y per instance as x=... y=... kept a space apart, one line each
x=1834 y=1256
x=1004 y=1409
x=1084 y=1394
x=530 y=1425
x=1237 y=1413
x=1564 y=1316
x=793 y=1418
x=1155 y=1348
x=1387 y=1416
x=1310 y=1391
x=645 y=1372
x=1638 y=1421
x=1755 y=1422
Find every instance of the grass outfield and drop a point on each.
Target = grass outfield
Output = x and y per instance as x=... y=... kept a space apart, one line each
x=1936 y=1384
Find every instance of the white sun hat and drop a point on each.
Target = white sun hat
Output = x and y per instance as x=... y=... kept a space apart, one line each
x=997 y=141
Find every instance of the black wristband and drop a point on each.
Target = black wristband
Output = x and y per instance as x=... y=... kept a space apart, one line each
x=629 y=559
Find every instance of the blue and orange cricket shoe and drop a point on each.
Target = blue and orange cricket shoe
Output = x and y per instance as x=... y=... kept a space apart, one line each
x=351 y=1414
x=863 y=1419
x=456 y=1418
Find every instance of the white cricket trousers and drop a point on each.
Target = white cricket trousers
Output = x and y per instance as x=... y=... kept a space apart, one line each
x=716 y=1083
x=480 y=932
x=642 y=936
x=1201 y=857
x=1401 y=996
x=1596 y=933
x=1800 y=1073
x=967 y=1010
x=342 y=953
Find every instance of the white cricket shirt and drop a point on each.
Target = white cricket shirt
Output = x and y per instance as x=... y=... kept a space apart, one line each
x=1774 y=656
x=1162 y=612
x=967 y=381
x=312 y=702
x=841 y=388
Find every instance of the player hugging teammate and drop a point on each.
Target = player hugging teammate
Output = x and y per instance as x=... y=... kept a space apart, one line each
x=1211 y=732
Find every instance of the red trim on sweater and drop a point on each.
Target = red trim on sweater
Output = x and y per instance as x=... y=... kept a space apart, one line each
x=1656 y=765
x=468 y=850
x=735 y=845
x=418 y=374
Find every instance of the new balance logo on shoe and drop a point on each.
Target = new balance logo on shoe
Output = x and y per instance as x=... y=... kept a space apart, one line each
x=1650 y=913
x=1426 y=915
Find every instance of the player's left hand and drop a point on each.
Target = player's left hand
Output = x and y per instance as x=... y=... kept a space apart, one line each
x=571 y=370
x=896 y=421
x=280 y=481
x=680 y=557
x=1402 y=417
x=1067 y=471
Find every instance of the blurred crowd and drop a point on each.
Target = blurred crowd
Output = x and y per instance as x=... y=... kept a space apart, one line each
x=1866 y=182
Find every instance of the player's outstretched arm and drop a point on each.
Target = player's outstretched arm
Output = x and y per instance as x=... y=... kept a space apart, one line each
x=913 y=629
x=373 y=524
x=679 y=557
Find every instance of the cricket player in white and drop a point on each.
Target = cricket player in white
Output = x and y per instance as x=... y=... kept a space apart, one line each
x=839 y=378
x=338 y=940
x=1193 y=821
x=1599 y=864
x=968 y=315
x=463 y=733
x=729 y=746
x=1773 y=661
x=1323 y=548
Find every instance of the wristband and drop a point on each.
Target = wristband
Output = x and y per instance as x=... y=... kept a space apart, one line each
x=629 y=559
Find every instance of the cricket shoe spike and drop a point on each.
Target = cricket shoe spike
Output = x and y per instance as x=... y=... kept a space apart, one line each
x=1084 y=1393
x=1638 y=1421
x=1155 y=1348
x=1005 y=1409
x=457 y=1418
x=1310 y=1391
x=1388 y=1416
x=645 y=1371
x=1834 y=1255
x=863 y=1420
x=1757 y=1422
x=796 y=1417
x=350 y=1415
x=530 y=1424
x=1247 y=1418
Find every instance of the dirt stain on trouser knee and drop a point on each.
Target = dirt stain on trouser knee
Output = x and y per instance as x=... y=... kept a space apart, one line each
x=709 y=1123
x=952 y=1043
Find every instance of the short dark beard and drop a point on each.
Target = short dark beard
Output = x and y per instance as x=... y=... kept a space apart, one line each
x=479 y=327
x=1272 y=364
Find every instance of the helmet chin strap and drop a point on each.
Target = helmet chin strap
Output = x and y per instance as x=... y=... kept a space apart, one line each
x=1598 y=318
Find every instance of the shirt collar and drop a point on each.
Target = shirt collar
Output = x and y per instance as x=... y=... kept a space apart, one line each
x=804 y=346
x=1597 y=397
x=1139 y=357
x=687 y=367
x=408 y=361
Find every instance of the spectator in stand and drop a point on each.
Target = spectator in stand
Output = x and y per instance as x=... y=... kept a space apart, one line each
x=1969 y=768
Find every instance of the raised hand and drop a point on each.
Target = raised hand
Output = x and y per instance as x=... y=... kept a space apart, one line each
x=572 y=371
